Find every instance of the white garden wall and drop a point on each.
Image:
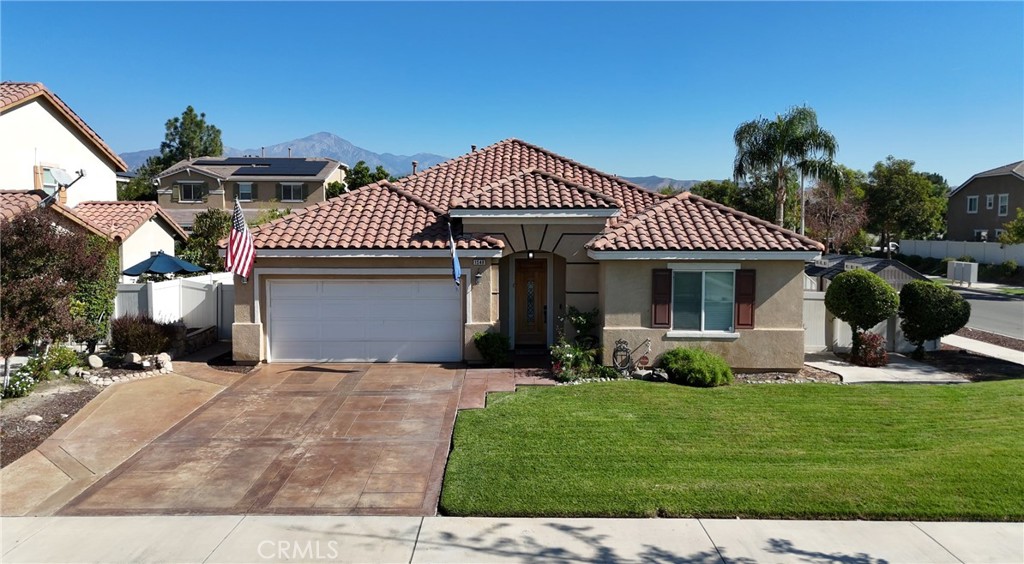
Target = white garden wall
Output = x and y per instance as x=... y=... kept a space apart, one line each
x=982 y=252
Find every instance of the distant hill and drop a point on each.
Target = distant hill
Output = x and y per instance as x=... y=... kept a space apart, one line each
x=321 y=144
x=656 y=183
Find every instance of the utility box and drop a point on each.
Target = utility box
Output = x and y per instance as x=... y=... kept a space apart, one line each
x=962 y=272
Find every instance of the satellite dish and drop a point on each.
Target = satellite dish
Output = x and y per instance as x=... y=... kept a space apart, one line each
x=61 y=176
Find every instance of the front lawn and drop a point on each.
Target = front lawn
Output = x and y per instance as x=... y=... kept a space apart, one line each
x=640 y=449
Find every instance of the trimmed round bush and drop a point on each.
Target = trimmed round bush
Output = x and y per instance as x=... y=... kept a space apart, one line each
x=696 y=367
x=493 y=347
x=862 y=299
x=931 y=311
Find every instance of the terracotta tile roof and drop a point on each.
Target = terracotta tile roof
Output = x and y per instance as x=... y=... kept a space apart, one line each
x=408 y=213
x=532 y=189
x=688 y=222
x=378 y=216
x=120 y=219
x=14 y=202
x=13 y=94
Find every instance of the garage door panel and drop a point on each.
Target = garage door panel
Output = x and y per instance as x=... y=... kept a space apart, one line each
x=365 y=320
x=284 y=290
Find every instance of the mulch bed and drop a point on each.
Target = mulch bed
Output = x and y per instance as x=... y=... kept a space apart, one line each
x=974 y=367
x=55 y=402
x=992 y=338
x=225 y=363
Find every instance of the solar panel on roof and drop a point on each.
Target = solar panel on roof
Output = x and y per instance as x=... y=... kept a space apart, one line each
x=257 y=166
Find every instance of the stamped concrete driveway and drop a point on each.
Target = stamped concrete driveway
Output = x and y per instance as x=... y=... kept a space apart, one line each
x=334 y=439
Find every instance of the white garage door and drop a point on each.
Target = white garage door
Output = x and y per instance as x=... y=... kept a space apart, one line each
x=365 y=321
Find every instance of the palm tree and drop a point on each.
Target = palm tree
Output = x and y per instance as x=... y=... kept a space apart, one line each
x=793 y=141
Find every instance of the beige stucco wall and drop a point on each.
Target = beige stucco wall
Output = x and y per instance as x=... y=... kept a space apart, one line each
x=152 y=236
x=776 y=342
x=961 y=225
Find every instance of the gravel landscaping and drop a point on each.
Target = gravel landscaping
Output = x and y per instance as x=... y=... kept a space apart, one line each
x=53 y=402
x=992 y=338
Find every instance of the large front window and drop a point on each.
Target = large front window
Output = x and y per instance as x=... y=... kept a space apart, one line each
x=245 y=191
x=703 y=301
x=1004 y=204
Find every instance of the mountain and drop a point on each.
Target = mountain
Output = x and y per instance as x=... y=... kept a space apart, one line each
x=656 y=183
x=321 y=144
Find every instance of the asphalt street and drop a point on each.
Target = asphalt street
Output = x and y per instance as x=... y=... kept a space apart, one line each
x=996 y=314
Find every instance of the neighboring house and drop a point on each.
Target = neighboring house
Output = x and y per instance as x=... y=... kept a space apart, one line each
x=980 y=207
x=823 y=270
x=139 y=228
x=195 y=185
x=41 y=134
x=367 y=276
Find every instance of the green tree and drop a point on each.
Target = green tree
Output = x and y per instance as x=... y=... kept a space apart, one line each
x=1014 y=233
x=336 y=189
x=725 y=192
x=210 y=226
x=361 y=175
x=185 y=136
x=667 y=191
x=862 y=299
x=93 y=301
x=836 y=212
x=778 y=148
x=931 y=311
x=901 y=202
x=43 y=270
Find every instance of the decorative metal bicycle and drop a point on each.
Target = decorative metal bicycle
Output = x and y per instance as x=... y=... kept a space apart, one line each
x=623 y=357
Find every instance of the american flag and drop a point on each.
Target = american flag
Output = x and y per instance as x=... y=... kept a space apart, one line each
x=241 y=252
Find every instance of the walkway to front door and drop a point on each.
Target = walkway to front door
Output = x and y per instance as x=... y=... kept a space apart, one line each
x=335 y=439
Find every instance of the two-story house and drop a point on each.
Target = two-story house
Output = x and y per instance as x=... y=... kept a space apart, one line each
x=46 y=145
x=980 y=207
x=195 y=185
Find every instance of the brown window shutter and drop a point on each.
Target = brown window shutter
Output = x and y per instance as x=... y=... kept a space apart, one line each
x=661 y=298
x=176 y=192
x=746 y=283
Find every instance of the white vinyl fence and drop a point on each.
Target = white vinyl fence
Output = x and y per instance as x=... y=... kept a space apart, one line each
x=198 y=302
x=823 y=332
x=982 y=252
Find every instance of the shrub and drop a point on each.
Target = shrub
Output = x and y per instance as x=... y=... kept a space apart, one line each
x=493 y=347
x=965 y=258
x=1009 y=268
x=20 y=384
x=584 y=323
x=931 y=311
x=139 y=334
x=861 y=299
x=570 y=361
x=60 y=358
x=696 y=367
x=602 y=371
x=872 y=350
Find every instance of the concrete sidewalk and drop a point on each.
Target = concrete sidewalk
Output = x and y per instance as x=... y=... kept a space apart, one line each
x=448 y=539
x=900 y=370
x=985 y=349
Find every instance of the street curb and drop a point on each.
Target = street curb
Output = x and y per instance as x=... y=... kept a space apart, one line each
x=985 y=291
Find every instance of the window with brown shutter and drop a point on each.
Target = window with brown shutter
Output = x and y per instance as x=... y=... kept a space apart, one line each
x=661 y=298
x=746 y=283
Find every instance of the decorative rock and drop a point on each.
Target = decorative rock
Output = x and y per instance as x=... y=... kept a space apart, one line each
x=73 y=371
x=146 y=364
x=95 y=361
x=33 y=418
x=133 y=358
x=163 y=359
x=168 y=366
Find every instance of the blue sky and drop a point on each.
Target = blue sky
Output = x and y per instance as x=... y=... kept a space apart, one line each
x=629 y=88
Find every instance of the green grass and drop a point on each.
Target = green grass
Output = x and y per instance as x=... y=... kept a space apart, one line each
x=640 y=449
x=1013 y=291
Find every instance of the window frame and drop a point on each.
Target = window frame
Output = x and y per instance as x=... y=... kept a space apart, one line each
x=971 y=199
x=48 y=188
x=251 y=191
x=1003 y=206
x=292 y=186
x=990 y=201
x=703 y=332
x=981 y=235
x=192 y=185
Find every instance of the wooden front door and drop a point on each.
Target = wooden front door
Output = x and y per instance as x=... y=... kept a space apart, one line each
x=531 y=302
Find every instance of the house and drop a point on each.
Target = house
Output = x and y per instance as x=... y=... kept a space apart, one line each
x=367 y=276
x=195 y=185
x=821 y=272
x=980 y=207
x=46 y=144
x=139 y=228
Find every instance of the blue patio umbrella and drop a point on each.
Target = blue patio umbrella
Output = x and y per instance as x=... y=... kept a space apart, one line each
x=161 y=263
